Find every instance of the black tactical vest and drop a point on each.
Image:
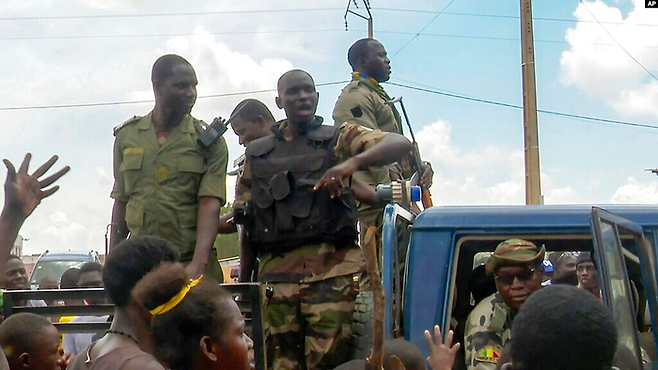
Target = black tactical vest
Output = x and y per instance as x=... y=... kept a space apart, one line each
x=284 y=211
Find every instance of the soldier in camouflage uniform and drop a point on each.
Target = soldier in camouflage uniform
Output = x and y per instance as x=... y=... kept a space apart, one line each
x=301 y=222
x=166 y=184
x=517 y=267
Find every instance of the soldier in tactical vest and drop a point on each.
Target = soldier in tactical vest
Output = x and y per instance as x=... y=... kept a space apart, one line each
x=365 y=102
x=517 y=267
x=300 y=216
x=166 y=184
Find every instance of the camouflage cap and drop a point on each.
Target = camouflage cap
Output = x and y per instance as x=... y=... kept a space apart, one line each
x=514 y=252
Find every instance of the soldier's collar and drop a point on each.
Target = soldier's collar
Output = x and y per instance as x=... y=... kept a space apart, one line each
x=186 y=123
x=279 y=128
x=356 y=76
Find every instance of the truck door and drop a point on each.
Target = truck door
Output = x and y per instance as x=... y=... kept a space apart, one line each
x=611 y=254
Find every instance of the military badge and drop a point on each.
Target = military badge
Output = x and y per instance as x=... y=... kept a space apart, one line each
x=488 y=354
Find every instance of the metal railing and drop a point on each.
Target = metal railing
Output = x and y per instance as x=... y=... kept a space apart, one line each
x=248 y=296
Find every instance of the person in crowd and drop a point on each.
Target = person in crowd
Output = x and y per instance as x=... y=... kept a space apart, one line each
x=442 y=353
x=30 y=343
x=47 y=283
x=588 y=276
x=90 y=277
x=23 y=193
x=166 y=183
x=196 y=324
x=16 y=279
x=128 y=345
x=563 y=327
x=564 y=268
x=517 y=268
x=301 y=221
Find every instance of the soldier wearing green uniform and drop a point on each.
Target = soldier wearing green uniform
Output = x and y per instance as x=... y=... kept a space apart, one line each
x=301 y=222
x=166 y=184
x=518 y=270
x=365 y=102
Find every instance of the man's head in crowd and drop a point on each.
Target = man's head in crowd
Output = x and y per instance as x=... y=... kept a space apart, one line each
x=69 y=279
x=129 y=261
x=518 y=271
x=563 y=327
x=564 y=265
x=30 y=342
x=15 y=274
x=252 y=122
x=90 y=275
x=405 y=351
x=196 y=325
x=297 y=96
x=368 y=57
x=588 y=276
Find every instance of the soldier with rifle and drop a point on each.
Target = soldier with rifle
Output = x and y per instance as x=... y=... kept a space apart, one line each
x=365 y=102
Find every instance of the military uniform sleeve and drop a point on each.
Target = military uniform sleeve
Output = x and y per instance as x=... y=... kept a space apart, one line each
x=118 y=190
x=482 y=345
x=354 y=139
x=243 y=186
x=213 y=182
x=357 y=107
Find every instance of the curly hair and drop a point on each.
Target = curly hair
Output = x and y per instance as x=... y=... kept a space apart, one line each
x=205 y=311
x=130 y=260
x=564 y=320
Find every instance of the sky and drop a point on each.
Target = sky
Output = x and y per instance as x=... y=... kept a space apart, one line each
x=457 y=59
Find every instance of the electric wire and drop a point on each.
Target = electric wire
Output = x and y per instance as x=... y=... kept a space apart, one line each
x=423 y=29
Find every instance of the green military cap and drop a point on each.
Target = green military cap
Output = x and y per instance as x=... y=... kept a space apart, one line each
x=514 y=252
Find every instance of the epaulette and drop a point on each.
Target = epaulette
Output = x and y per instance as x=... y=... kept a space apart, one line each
x=118 y=128
x=200 y=125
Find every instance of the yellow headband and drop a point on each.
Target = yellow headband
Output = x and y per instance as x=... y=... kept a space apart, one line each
x=175 y=300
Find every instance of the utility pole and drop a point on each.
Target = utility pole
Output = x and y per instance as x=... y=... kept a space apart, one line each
x=366 y=4
x=530 y=131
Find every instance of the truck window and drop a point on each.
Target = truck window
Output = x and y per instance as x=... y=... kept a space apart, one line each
x=619 y=291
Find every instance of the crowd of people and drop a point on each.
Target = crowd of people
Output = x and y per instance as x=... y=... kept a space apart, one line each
x=301 y=189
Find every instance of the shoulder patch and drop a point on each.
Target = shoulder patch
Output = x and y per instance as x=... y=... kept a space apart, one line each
x=117 y=128
x=488 y=354
x=356 y=112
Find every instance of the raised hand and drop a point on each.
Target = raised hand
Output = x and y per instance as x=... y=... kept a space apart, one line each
x=24 y=192
x=442 y=354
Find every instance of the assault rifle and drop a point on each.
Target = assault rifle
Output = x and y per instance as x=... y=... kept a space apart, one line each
x=416 y=162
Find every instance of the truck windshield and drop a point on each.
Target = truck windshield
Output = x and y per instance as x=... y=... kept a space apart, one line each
x=52 y=269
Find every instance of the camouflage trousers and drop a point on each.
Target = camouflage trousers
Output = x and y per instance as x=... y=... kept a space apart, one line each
x=308 y=325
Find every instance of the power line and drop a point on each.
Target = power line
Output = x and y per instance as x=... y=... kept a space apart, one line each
x=237 y=33
x=617 y=42
x=128 y=102
x=514 y=106
x=423 y=29
x=177 y=14
x=516 y=17
x=429 y=90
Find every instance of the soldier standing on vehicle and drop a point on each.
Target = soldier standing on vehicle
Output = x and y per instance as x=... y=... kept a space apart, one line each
x=301 y=221
x=516 y=265
x=251 y=122
x=365 y=102
x=166 y=184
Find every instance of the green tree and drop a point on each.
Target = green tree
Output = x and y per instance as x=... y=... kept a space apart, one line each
x=227 y=245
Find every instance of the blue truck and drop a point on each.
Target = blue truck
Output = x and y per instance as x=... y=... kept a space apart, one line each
x=438 y=249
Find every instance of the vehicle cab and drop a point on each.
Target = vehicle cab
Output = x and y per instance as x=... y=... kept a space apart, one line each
x=441 y=249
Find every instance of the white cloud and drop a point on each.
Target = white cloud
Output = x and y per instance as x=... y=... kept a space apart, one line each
x=606 y=71
x=636 y=192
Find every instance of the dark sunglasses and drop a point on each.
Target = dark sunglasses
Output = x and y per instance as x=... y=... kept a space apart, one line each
x=524 y=275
